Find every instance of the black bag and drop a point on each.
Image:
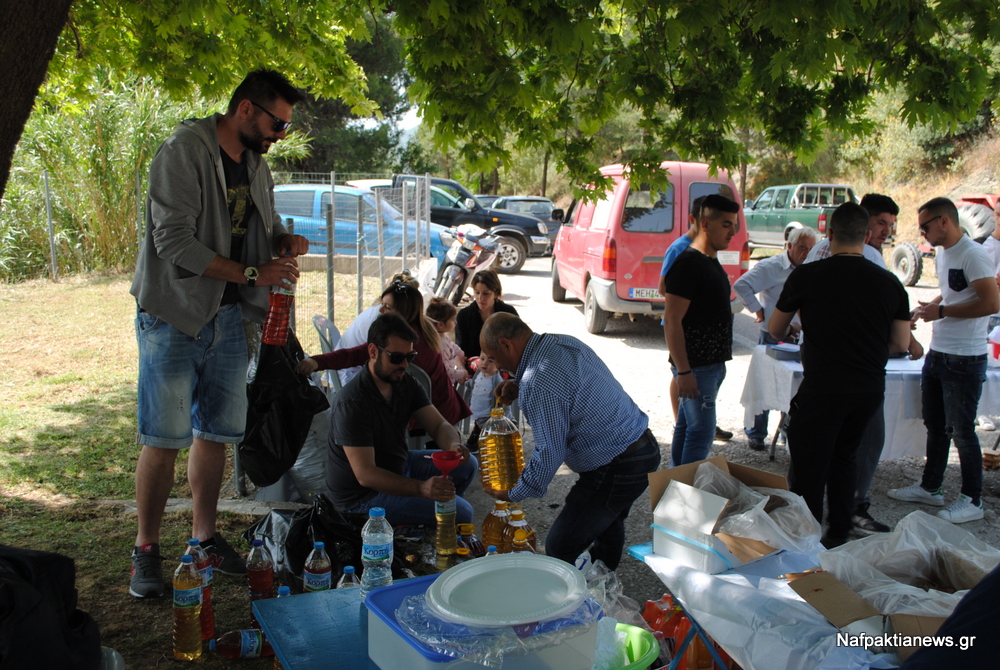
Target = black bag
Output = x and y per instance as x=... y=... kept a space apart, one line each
x=288 y=536
x=280 y=409
x=40 y=626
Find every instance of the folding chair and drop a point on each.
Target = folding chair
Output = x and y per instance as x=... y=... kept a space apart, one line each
x=329 y=336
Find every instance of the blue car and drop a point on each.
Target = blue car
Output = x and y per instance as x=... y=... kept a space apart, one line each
x=305 y=204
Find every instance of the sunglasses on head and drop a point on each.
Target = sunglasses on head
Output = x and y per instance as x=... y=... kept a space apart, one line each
x=279 y=124
x=397 y=357
x=399 y=286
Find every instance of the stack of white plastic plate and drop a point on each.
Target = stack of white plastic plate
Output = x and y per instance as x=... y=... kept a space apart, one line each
x=507 y=590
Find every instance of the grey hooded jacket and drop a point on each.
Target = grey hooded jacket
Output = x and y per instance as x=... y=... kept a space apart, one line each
x=188 y=224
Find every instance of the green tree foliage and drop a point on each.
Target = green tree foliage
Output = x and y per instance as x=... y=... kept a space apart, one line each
x=553 y=72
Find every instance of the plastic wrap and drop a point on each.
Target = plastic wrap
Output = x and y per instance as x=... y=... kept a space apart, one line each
x=610 y=653
x=489 y=646
x=712 y=479
x=893 y=571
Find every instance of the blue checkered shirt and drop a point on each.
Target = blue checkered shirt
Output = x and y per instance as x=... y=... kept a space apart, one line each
x=577 y=410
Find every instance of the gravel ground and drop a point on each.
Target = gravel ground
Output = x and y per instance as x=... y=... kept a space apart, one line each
x=636 y=353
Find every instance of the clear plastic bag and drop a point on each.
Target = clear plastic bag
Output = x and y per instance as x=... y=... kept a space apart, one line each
x=911 y=570
x=489 y=646
x=713 y=479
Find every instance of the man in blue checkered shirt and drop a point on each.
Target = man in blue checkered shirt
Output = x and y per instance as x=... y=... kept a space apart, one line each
x=581 y=416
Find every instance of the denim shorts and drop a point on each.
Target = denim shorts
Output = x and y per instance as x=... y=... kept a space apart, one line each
x=192 y=386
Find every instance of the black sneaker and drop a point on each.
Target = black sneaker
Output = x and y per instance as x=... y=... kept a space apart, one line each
x=224 y=557
x=757 y=444
x=833 y=541
x=865 y=524
x=722 y=435
x=147 y=572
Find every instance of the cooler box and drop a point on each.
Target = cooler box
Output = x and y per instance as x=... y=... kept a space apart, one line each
x=392 y=648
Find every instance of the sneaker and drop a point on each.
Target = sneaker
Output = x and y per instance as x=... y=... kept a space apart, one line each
x=224 y=557
x=865 y=524
x=986 y=423
x=757 y=444
x=723 y=435
x=918 y=494
x=962 y=510
x=147 y=572
x=832 y=541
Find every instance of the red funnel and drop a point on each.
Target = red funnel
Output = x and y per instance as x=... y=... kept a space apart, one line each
x=446 y=461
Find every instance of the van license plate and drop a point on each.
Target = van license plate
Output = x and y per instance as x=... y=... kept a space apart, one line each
x=728 y=257
x=643 y=293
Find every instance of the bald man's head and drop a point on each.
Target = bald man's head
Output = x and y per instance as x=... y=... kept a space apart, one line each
x=503 y=338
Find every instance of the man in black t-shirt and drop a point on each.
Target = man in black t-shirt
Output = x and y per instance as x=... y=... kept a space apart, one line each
x=853 y=313
x=698 y=328
x=369 y=464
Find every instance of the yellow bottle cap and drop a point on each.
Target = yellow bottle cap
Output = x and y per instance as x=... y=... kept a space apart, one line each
x=462 y=551
x=520 y=535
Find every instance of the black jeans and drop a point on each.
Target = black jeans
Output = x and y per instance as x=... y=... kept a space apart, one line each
x=824 y=432
x=598 y=504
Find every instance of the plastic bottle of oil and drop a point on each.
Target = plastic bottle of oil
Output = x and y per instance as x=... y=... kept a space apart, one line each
x=520 y=545
x=515 y=524
x=187 y=610
x=501 y=457
x=444 y=515
x=494 y=524
x=468 y=532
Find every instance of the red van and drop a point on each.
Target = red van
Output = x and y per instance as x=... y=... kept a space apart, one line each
x=609 y=253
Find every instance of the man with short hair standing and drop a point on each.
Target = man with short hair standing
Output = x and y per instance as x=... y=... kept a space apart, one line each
x=955 y=368
x=214 y=246
x=853 y=314
x=767 y=277
x=698 y=328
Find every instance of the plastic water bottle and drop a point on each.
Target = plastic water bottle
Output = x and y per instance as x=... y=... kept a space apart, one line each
x=247 y=643
x=491 y=551
x=317 y=573
x=260 y=575
x=349 y=579
x=203 y=563
x=187 y=610
x=376 y=551
x=275 y=330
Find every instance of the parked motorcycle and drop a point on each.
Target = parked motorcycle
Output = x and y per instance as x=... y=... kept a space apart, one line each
x=472 y=251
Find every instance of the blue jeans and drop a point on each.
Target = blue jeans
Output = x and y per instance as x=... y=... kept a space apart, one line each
x=598 y=504
x=403 y=510
x=950 y=388
x=759 y=429
x=695 y=428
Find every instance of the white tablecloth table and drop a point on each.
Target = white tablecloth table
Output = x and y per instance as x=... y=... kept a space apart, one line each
x=771 y=384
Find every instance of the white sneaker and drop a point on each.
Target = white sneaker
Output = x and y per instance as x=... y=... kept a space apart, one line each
x=918 y=494
x=986 y=423
x=962 y=510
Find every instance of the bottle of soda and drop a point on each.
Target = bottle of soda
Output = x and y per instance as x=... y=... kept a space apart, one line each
x=349 y=579
x=376 y=551
x=317 y=573
x=468 y=531
x=517 y=522
x=520 y=544
x=247 y=643
x=275 y=330
x=203 y=563
x=494 y=524
x=187 y=610
x=260 y=575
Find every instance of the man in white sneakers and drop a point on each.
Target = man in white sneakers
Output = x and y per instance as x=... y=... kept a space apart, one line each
x=955 y=367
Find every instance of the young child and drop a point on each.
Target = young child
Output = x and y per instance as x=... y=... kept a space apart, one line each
x=442 y=314
x=487 y=378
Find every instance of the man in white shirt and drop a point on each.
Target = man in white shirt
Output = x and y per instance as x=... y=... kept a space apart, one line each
x=766 y=278
x=955 y=368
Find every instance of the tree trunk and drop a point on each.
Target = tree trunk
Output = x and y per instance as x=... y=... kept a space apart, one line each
x=28 y=35
x=545 y=173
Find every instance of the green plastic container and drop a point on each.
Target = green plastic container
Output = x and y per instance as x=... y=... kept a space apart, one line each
x=640 y=646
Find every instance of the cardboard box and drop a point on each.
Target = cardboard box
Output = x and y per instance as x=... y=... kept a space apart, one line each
x=849 y=612
x=684 y=517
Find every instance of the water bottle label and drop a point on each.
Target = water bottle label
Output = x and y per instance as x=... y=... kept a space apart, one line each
x=206 y=575
x=251 y=643
x=376 y=552
x=446 y=507
x=186 y=598
x=316 y=581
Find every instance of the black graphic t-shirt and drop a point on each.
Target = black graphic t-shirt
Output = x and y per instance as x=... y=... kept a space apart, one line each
x=241 y=208
x=708 y=323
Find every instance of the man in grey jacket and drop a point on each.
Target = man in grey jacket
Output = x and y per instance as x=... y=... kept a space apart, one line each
x=214 y=246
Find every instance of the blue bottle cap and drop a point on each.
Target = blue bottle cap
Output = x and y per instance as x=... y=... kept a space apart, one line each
x=348 y=569
x=211 y=645
x=491 y=548
x=376 y=512
x=284 y=591
x=187 y=558
x=193 y=542
x=318 y=545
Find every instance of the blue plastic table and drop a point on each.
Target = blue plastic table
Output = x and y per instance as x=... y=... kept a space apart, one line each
x=328 y=629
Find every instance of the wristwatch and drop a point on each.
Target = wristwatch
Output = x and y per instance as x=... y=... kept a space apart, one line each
x=251 y=273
